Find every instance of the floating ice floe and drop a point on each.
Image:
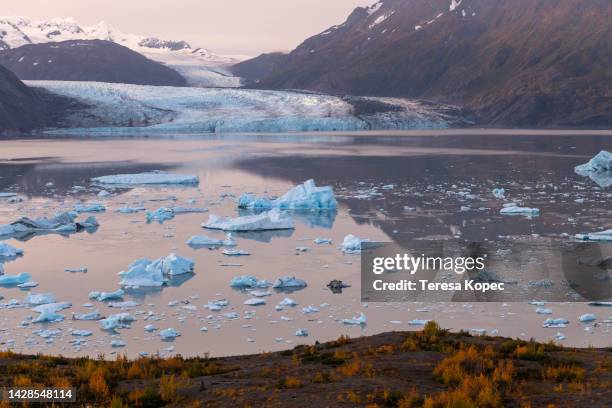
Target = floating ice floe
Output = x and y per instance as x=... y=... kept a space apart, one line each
x=598 y=169
x=515 y=210
x=48 y=312
x=352 y=244
x=555 y=323
x=169 y=334
x=587 y=318
x=128 y=304
x=235 y=252
x=117 y=343
x=266 y=221
x=248 y=281
x=254 y=302
x=356 y=321
x=89 y=208
x=94 y=315
x=322 y=241
x=117 y=321
x=189 y=210
x=160 y=215
x=144 y=272
x=129 y=210
x=543 y=310
x=76 y=270
x=7 y=195
x=153 y=177
x=63 y=223
x=200 y=241
x=9 y=252
x=103 y=296
x=600 y=236
x=288 y=302
x=418 y=322
x=560 y=336
x=36 y=299
x=289 y=282
x=29 y=284
x=216 y=305
x=10 y=280
x=499 y=193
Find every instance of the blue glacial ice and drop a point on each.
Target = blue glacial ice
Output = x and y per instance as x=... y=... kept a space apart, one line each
x=104 y=296
x=266 y=221
x=598 y=169
x=352 y=244
x=13 y=280
x=146 y=273
x=289 y=282
x=8 y=252
x=306 y=196
x=201 y=241
x=248 y=281
x=160 y=215
x=600 y=236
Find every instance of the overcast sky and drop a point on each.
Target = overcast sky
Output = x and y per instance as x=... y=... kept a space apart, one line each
x=224 y=26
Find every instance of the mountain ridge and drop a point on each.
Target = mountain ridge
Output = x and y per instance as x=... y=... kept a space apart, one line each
x=520 y=63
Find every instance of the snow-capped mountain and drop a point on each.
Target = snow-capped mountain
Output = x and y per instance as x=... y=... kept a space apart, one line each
x=514 y=62
x=200 y=66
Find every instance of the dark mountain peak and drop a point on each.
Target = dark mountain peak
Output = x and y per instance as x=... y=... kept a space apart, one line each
x=87 y=60
x=156 y=43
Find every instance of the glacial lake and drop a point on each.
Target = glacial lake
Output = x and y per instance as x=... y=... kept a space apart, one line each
x=390 y=187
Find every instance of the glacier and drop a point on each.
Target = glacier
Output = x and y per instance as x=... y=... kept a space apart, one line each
x=134 y=109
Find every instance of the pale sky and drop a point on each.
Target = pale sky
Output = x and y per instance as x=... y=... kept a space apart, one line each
x=224 y=26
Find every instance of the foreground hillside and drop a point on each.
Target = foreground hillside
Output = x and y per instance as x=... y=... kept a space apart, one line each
x=432 y=368
x=521 y=62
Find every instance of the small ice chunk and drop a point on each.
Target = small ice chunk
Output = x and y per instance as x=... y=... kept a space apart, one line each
x=94 y=315
x=103 y=296
x=117 y=343
x=235 y=252
x=188 y=210
x=288 y=302
x=515 y=210
x=248 y=281
x=149 y=328
x=543 y=310
x=499 y=193
x=250 y=202
x=587 y=318
x=356 y=321
x=554 y=323
x=89 y=208
x=9 y=251
x=76 y=270
x=352 y=244
x=418 y=322
x=160 y=215
x=289 y=282
x=301 y=333
x=601 y=236
x=117 y=321
x=321 y=241
x=35 y=299
x=154 y=177
x=82 y=333
x=254 y=302
x=169 y=334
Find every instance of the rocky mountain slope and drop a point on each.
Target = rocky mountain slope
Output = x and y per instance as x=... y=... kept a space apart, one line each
x=520 y=62
x=199 y=65
x=87 y=60
x=20 y=106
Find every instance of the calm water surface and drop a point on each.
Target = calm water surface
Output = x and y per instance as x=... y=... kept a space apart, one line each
x=433 y=175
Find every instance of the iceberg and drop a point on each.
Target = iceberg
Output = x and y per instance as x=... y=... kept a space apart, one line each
x=289 y=282
x=601 y=236
x=160 y=215
x=352 y=244
x=154 y=178
x=169 y=334
x=89 y=208
x=103 y=296
x=48 y=312
x=356 y=321
x=9 y=252
x=266 y=221
x=12 y=280
x=301 y=333
x=306 y=196
x=200 y=241
x=288 y=302
x=144 y=272
x=515 y=210
x=117 y=343
x=598 y=169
